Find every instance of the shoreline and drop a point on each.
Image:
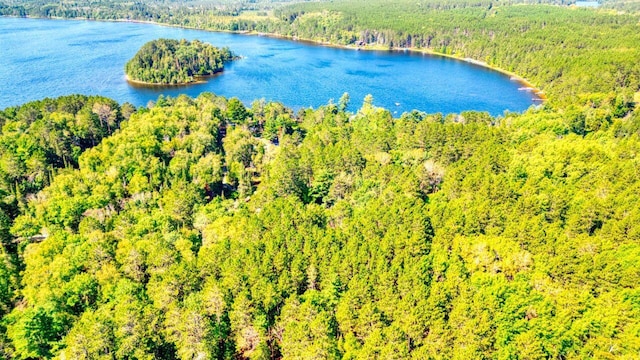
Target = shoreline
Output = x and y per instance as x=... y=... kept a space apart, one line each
x=150 y=84
x=198 y=79
x=539 y=95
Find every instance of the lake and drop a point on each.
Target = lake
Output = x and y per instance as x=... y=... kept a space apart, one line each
x=589 y=4
x=48 y=58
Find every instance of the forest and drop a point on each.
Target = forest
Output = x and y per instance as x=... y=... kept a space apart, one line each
x=205 y=228
x=172 y=62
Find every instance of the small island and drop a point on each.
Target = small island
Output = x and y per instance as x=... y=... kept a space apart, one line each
x=173 y=62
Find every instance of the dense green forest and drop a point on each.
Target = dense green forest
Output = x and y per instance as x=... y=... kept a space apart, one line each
x=189 y=233
x=168 y=61
x=38 y=140
x=206 y=229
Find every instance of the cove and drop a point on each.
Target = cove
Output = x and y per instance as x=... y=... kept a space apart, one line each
x=49 y=58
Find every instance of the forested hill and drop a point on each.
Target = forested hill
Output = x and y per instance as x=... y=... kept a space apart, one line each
x=172 y=62
x=203 y=229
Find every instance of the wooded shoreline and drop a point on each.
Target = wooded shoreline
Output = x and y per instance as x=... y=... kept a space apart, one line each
x=150 y=84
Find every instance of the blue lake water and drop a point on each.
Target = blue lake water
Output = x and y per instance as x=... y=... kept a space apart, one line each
x=49 y=58
x=589 y=4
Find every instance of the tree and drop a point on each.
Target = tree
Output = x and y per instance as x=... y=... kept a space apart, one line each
x=237 y=113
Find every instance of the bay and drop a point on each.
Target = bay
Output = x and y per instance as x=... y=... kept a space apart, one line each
x=49 y=58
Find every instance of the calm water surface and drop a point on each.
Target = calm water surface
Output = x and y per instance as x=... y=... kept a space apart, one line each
x=49 y=58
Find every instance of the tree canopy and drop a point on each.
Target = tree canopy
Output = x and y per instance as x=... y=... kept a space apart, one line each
x=199 y=231
x=167 y=61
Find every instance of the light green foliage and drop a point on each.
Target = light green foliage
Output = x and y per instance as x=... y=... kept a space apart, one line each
x=36 y=332
x=91 y=338
x=309 y=328
x=37 y=140
x=236 y=112
x=241 y=152
x=41 y=136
